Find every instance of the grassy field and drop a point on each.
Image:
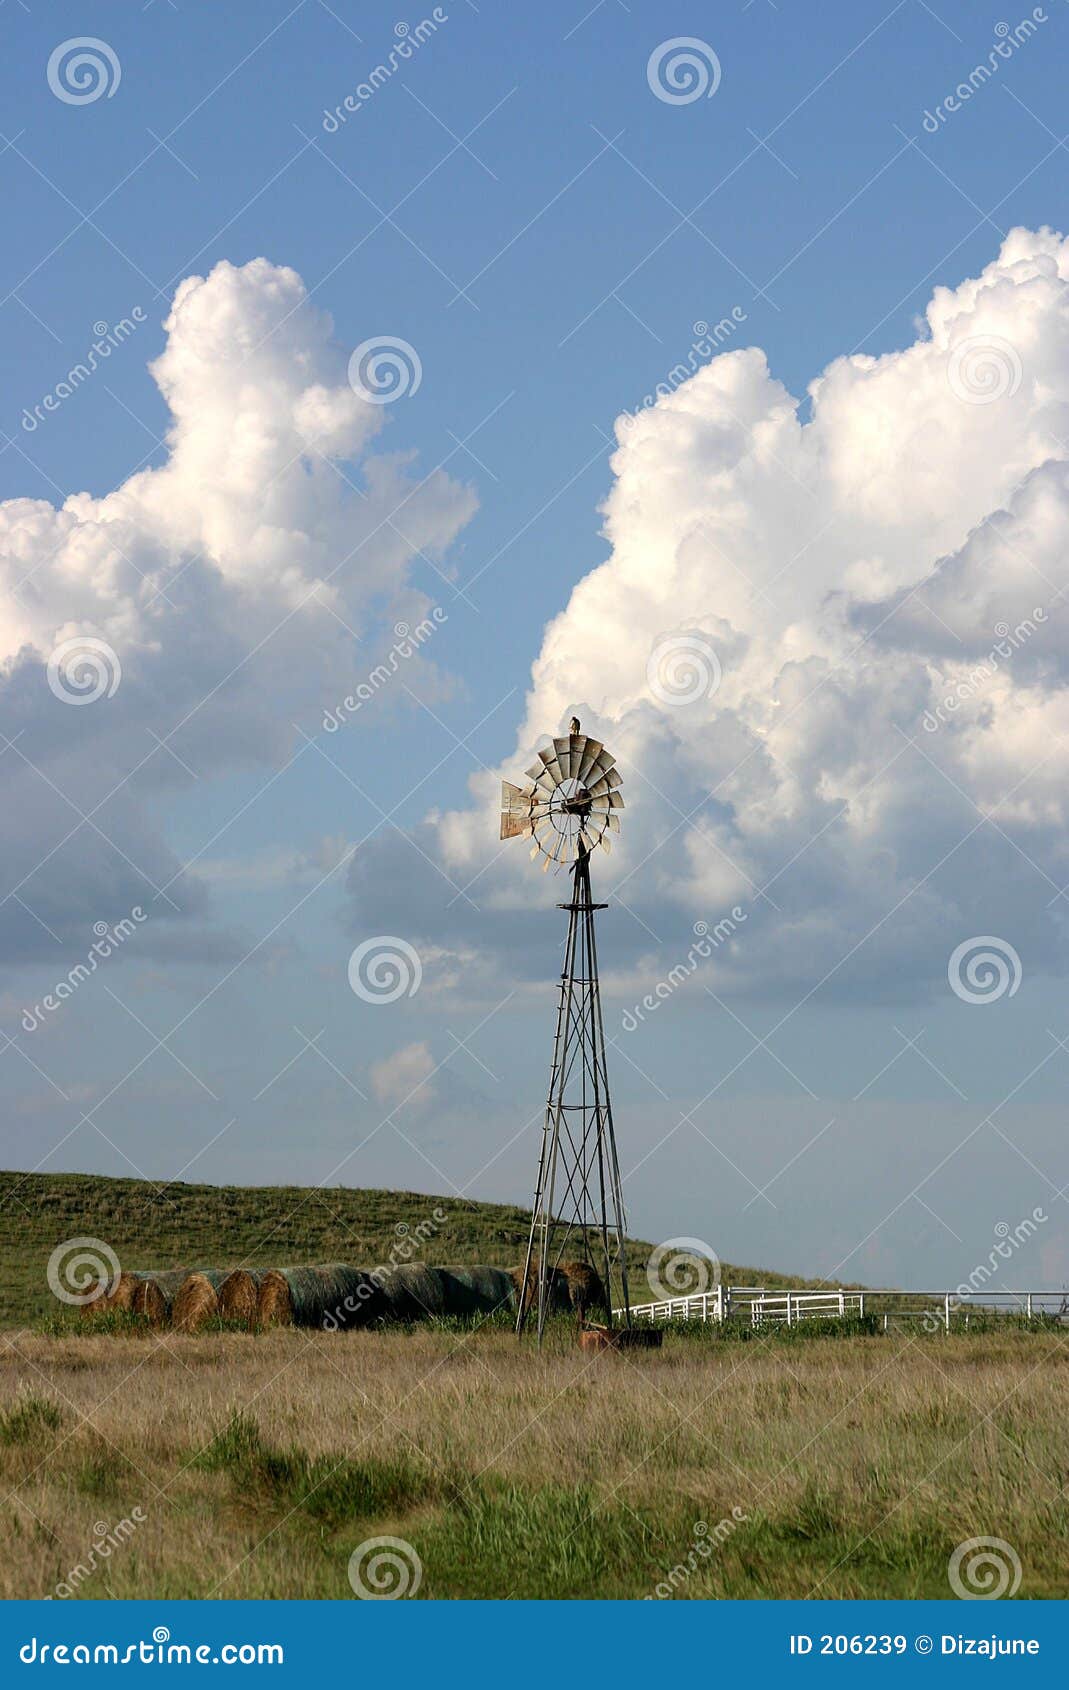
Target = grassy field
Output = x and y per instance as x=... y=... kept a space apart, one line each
x=251 y=1226
x=255 y=1465
x=147 y=1463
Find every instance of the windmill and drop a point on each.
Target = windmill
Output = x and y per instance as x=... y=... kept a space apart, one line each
x=570 y=808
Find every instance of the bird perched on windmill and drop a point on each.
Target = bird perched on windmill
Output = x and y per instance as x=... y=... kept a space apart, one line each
x=569 y=809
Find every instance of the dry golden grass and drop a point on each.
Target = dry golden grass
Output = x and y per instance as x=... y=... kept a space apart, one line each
x=260 y=1462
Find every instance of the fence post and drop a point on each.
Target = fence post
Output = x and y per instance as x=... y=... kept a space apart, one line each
x=1029 y=1305
x=788 y=1308
x=861 y=1306
x=842 y=1305
x=720 y=1303
x=946 y=1311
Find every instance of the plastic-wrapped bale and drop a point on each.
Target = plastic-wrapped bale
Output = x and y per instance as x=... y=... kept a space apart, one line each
x=559 y=1299
x=154 y=1295
x=197 y=1299
x=477 y=1290
x=586 y=1290
x=334 y=1297
x=413 y=1291
x=344 y=1298
x=238 y=1295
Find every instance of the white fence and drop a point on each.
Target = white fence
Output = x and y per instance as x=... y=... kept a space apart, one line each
x=934 y=1308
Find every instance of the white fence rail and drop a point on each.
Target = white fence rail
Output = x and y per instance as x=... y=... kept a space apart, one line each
x=789 y=1307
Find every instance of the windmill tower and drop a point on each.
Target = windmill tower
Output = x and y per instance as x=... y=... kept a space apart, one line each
x=568 y=811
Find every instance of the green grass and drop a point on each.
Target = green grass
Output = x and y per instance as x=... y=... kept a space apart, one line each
x=181 y=1225
x=257 y=1465
x=28 y=1418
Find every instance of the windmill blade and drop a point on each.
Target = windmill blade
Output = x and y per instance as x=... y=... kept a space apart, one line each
x=606 y=783
x=606 y=844
x=602 y=763
x=591 y=752
x=563 y=749
x=616 y=801
x=614 y=822
x=552 y=767
x=578 y=744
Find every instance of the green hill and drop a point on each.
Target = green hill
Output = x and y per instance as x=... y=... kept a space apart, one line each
x=258 y=1226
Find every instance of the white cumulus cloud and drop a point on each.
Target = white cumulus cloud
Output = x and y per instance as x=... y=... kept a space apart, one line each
x=230 y=586
x=822 y=584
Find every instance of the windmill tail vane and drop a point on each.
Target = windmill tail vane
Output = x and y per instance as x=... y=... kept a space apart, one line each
x=569 y=809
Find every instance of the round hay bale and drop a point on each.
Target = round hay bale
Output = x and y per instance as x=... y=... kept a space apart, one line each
x=91 y=1305
x=154 y=1295
x=586 y=1290
x=527 y=1294
x=238 y=1295
x=197 y=1299
x=120 y=1295
x=274 y=1306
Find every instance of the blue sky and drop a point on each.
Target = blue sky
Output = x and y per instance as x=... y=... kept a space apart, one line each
x=518 y=205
